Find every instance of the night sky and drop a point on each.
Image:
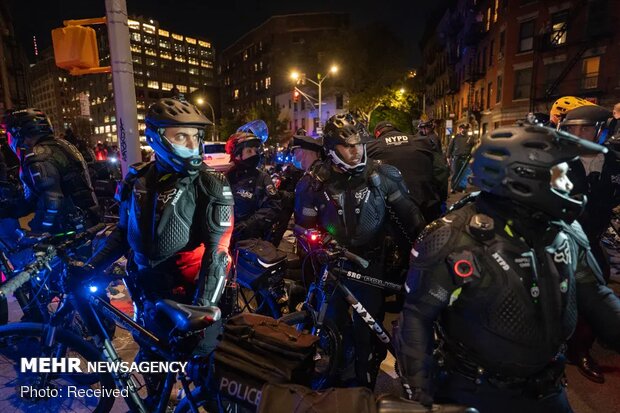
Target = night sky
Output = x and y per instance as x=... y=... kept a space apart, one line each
x=220 y=21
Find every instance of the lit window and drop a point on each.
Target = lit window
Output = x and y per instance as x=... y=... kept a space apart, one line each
x=140 y=104
x=182 y=88
x=151 y=62
x=166 y=86
x=133 y=24
x=193 y=71
x=179 y=48
x=204 y=44
x=205 y=63
x=139 y=81
x=177 y=37
x=590 y=72
x=136 y=48
x=179 y=58
x=268 y=100
x=141 y=126
x=245 y=55
x=164 y=44
x=107 y=129
x=192 y=89
x=148 y=28
x=163 y=33
x=149 y=40
x=192 y=50
x=141 y=115
x=192 y=61
x=106 y=119
x=236 y=94
x=488 y=26
x=267 y=82
x=114 y=128
x=190 y=40
x=150 y=51
x=165 y=55
x=558 y=28
x=153 y=84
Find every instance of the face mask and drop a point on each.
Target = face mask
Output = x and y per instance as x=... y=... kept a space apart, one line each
x=296 y=163
x=185 y=152
x=251 y=162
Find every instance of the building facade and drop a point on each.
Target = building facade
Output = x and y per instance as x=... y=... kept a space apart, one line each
x=299 y=112
x=255 y=70
x=14 y=91
x=164 y=64
x=493 y=61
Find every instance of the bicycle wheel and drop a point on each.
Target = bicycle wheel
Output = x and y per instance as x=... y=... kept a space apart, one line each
x=51 y=392
x=327 y=360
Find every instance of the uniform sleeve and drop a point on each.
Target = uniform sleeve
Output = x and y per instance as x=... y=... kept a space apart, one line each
x=406 y=211
x=373 y=149
x=597 y=302
x=306 y=212
x=268 y=211
x=219 y=218
x=46 y=180
x=429 y=287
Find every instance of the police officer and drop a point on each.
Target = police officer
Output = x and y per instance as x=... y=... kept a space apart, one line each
x=427 y=128
x=503 y=277
x=414 y=157
x=175 y=219
x=597 y=177
x=56 y=182
x=306 y=152
x=459 y=150
x=351 y=197
x=257 y=202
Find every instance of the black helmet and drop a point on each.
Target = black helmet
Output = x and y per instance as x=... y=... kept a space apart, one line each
x=171 y=112
x=590 y=115
x=383 y=127
x=344 y=129
x=26 y=123
x=515 y=163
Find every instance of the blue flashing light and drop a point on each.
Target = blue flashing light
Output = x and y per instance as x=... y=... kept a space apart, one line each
x=93 y=288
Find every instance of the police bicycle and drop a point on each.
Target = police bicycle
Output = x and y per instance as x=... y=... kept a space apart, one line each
x=84 y=387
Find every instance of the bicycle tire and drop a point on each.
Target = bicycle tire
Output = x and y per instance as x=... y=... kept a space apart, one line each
x=30 y=333
x=330 y=345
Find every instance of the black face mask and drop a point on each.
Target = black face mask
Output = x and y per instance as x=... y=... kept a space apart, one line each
x=251 y=162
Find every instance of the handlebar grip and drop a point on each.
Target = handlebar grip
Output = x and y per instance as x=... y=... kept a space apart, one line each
x=14 y=283
x=356 y=259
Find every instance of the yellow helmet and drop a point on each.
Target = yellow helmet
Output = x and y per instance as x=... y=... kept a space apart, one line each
x=564 y=104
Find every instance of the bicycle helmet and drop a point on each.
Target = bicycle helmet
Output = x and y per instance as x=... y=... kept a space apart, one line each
x=516 y=162
x=239 y=140
x=257 y=128
x=171 y=112
x=344 y=129
x=590 y=115
x=563 y=105
x=26 y=123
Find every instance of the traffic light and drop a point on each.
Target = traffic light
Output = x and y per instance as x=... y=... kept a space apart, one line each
x=296 y=96
x=75 y=47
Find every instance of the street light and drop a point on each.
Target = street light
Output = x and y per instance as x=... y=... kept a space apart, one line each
x=296 y=76
x=200 y=102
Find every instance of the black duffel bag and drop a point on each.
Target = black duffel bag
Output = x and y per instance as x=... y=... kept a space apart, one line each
x=257 y=349
x=292 y=398
x=259 y=263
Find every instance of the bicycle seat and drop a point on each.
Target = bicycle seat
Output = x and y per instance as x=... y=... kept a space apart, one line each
x=188 y=318
x=388 y=403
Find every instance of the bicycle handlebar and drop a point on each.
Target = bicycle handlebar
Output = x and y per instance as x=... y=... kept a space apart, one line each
x=45 y=255
x=300 y=231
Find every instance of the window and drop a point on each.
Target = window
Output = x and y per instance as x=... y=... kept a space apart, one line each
x=502 y=45
x=205 y=63
x=163 y=33
x=135 y=36
x=192 y=61
x=151 y=62
x=526 y=36
x=193 y=71
x=164 y=44
x=489 y=93
x=179 y=58
x=590 y=72
x=523 y=83
x=339 y=101
x=498 y=95
x=204 y=44
x=150 y=51
x=495 y=11
x=488 y=25
x=552 y=71
x=148 y=28
x=179 y=48
x=558 y=28
x=206 y=53
x=236 y=94
x=267 y=82
x=133 y=24
x=136 y=59
x=192 y=50
x=268 y=101
x=149 y=40
x=165 y=55
x=139 y=81
x=153 y=84
x=136 y=48
x=177 y=37
x=166 y=86
x=182 y=88
x=190 y=40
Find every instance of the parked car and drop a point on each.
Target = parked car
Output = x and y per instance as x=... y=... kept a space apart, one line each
x=216 y=157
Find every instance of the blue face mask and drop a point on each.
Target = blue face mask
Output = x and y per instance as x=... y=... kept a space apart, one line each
x=185 y=152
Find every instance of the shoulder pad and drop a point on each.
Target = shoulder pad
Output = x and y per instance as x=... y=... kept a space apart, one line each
x=124 y=187
x=390 y=171
x=436 y=236
x=137 y=169
x=216 y=185
x=38 y=153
